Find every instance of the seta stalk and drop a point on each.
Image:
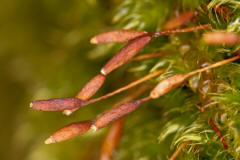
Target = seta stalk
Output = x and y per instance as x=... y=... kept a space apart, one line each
x=178 y=150
x=215 y=128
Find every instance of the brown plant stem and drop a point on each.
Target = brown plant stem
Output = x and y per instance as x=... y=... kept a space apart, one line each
x=183 y=30
x=131 y=85
x=175 y=154
x=148 y=56
x=215 y=128
x=119 y=36
x=134 y=94
x=217 y=64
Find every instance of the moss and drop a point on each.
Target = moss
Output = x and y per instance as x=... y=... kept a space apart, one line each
x=178 y=118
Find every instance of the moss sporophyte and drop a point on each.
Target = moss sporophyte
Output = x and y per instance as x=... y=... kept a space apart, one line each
x=135 y=42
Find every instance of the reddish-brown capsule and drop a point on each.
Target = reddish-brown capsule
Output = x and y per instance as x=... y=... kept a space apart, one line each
x=125 y=54
x=115 y=113
x=69 y=131
x=111 y=140
x=180 y=20
x=221 y=38
x=57 y=104
x=116 y=36
x=167 y=85
x=91 y=87
x=172 y=82
x=88 y=90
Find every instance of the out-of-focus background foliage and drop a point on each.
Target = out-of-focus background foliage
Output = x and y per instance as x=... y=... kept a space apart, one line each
x=44 y=49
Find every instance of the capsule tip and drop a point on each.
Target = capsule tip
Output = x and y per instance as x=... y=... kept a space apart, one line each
x=94 y=40
x=94 y=128
x=31 y=105
x=67 y=112
x=49 y=140
x=154 y=95
x=103 y=72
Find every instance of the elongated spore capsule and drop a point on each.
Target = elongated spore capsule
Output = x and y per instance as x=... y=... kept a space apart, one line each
x=167 y=85
x=172 y=82
x=57 y=104
x=91 y=87
x=115 y=113
x=180 y=20
x=111 y=140
x=69 y=131
x=116 y=36
x=221 y=38
x=125 y=54
x=88 y=90
x=123 y=101
x=151 y=75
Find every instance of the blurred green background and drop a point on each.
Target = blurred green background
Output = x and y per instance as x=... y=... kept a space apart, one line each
x=44 y=49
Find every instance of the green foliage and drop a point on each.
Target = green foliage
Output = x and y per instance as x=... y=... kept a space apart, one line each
x=178 y=120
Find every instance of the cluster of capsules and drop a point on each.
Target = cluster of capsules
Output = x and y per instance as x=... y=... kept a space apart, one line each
x=136 y=41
